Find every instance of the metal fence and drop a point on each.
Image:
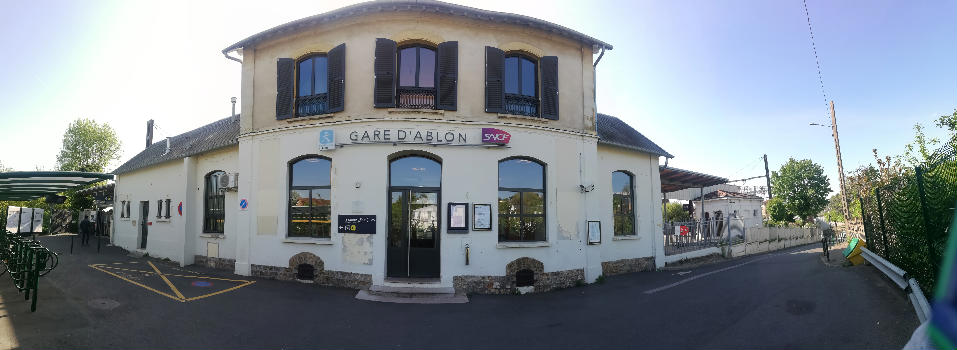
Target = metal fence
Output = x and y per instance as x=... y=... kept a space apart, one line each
x=686 y=236
x=906 y=220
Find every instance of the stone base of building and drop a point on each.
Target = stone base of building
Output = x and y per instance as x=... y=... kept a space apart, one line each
x=617 y=267
x=508 y=284
x=321 y=276
x=215 y=263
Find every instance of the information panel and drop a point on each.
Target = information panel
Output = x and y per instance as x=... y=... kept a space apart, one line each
x=357 y=224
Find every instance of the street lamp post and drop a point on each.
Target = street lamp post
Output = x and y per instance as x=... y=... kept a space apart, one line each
x=840 y=166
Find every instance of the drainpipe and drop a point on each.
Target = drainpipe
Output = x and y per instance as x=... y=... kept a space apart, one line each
x=594 y=84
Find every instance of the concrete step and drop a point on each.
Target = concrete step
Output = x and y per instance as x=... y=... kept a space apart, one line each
x=408 y=288
x=412 y=298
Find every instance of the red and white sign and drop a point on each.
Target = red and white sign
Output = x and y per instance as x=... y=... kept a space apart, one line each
x=684 y=230
x=492 y=135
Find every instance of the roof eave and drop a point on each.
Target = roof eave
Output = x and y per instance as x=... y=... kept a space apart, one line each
x=397 y=6
x=639 y=149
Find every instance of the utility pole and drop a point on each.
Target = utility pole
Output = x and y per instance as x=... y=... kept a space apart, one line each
x=840 y=166
x=767 y=175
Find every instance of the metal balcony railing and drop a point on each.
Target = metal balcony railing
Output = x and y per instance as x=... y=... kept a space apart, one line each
x=521 y=105
x=415 y=97
x=312 y=105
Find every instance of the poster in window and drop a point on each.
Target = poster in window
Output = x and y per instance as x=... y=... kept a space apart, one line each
x=458 y=217
x=482 y=217
x=594 y=232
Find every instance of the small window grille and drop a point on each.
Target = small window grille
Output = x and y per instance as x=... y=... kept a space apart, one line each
x=305 y=272
x=524 y=278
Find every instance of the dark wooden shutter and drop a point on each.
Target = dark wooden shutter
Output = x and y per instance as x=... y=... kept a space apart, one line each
x=384 y=91
x=285 y=87
x=336 y=70
x=494 y=86
x=549 y=87
x=447 y=72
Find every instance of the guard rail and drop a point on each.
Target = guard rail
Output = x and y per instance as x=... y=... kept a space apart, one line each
x=901 y=279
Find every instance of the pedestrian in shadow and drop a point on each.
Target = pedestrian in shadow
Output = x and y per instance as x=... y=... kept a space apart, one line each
x=85 y=230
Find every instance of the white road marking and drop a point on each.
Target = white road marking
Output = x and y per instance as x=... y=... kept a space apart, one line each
x=689 y=279
x=683 y=273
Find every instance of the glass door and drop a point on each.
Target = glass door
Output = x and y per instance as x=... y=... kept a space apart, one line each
x=414 y=212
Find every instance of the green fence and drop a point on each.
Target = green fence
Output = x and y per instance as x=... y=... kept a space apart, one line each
x=906 y=220
x=26 y=261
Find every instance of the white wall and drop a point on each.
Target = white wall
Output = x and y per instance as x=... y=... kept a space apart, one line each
x=647 y=193
x=360 y=184
x=747 y=208
x=226 y=160
x=469 y=174
x=165 y=238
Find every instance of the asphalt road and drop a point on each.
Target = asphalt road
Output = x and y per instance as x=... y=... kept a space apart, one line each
x=787 y=299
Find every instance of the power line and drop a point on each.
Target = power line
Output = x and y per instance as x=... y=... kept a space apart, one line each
x=817 y=60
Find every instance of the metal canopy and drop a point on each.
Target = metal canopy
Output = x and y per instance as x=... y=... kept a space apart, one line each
x=29 y=185
x=674 y=179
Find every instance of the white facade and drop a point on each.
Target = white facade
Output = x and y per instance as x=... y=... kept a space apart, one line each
x=578 y=166
x=258 y=234
x=746 y=209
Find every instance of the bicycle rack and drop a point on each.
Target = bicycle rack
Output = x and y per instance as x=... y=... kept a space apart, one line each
x=26 y=260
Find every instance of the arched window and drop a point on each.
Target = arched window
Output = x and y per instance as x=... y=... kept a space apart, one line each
x=521 y=200
x=310 y=197
x=521 y=85
x=623 y=203
x=416 y=84
x=214 y=203
x=312 y=84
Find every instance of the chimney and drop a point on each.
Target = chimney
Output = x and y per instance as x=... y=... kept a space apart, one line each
x=167 y=146
x=233 y=100
x=149 y=133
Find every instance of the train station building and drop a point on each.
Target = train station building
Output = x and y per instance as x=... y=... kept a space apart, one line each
x=405 y=144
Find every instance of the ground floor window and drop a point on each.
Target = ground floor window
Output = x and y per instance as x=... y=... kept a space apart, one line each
x=521 y=200
x=623 y=203
x=310 y=197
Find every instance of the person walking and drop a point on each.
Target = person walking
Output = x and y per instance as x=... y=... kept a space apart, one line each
x=85 y=230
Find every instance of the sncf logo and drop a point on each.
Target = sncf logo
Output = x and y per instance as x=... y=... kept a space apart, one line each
x=492 y=135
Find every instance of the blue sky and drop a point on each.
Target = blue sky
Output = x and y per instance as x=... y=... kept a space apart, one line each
x=716 y=83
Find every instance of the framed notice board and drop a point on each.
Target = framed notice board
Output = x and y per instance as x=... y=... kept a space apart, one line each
x=458 y=217
x=482 y=217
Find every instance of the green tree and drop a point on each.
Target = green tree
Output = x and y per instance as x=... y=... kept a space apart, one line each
x=777 y=212
x=802 y=186
x=88 y=146
x=675 y=213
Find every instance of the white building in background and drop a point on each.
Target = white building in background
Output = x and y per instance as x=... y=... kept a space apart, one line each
x=396 y=142
x=721 y=204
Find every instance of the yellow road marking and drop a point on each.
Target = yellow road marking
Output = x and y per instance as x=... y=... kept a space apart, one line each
x=179 y=296
x=168 y=283
x=222 y=291
x=139 y=284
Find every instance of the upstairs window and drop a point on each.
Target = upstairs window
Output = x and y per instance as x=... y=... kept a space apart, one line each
x=416 y=78
x=521 y=85
x=312 y=83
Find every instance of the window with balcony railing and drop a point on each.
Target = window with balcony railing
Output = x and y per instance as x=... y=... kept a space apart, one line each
x=416 y=86
x=312 y=83
x=521 y=86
